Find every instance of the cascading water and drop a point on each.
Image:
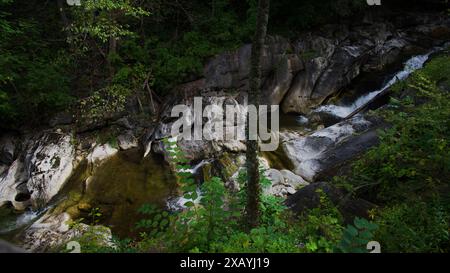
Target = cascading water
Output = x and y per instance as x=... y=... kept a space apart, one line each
x=10 y=224
x=178 y=203
x=411 y=65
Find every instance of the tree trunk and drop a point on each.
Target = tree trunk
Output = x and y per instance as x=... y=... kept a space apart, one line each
x=62 y=12
x=253 y=186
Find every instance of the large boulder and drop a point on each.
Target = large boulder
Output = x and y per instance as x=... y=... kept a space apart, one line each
x=39 y=172
x=317 y=155
x=196 y=150
x=280 y=79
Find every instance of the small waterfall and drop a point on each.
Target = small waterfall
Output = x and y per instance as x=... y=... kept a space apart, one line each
x=177 y=203
x=411 y=65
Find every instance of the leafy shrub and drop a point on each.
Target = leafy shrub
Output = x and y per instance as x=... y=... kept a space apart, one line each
x=356 y=237
x=104 y=103
x=414 y=227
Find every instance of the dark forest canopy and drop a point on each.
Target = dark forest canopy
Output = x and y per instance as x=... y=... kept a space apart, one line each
x=52 y=54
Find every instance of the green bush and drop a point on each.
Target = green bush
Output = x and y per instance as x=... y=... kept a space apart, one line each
x=414 y=227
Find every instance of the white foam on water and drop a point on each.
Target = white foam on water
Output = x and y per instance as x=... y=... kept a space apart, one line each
x=21 y=221
x=302 y=119
x=411 y=65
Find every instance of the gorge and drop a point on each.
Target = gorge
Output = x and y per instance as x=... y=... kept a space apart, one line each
x=98 y=173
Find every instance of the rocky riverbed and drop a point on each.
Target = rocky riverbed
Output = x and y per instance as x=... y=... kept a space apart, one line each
x=54 y=177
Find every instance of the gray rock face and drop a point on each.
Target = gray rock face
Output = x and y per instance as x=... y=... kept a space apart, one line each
x=279 y=65
x=298 y=98
x=50 y=165
x=127 y=141
x=204 y=148
x=39 y=172
x=101 y=153
x=302 y=74
x=317 y=154
x=280 y=79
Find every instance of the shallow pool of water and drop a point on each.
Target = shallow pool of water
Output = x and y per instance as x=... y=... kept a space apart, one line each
x=122 y=184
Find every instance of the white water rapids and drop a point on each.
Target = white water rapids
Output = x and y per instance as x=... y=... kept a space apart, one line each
x=411 y=65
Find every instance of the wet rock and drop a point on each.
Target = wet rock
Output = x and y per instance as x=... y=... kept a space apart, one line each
x=211 y=144
x=101 y=152
x=127 y=141
x=284 y=183
x=343 y=68
x=39 y=172
x=323 y=151
x=292 y=179
x=275 y=176
x=279 y=81
x=385 y=53
x=51 y=164
x=3 y=168
x=147 y=140
x=9 y=180
x=324 y=118
x=297 y=99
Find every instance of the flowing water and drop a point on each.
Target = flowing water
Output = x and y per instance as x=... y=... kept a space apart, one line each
x=123 y=183
x=343 y=111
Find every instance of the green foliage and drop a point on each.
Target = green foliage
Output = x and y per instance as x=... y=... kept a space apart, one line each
x=155 y=223
x=321 y=226
x=355 y=237
x=34 y=79
x=414 y=227
x=438 y=70
x=104 y=103
x=95 y=215
x=102 y=20
x=215 y=222
x=108 y=42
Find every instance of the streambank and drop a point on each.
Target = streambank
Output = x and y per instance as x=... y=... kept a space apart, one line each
x=103 y=173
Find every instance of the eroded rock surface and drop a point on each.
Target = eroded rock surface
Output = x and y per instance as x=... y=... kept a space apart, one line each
x=39 y=171
x=319 y=153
